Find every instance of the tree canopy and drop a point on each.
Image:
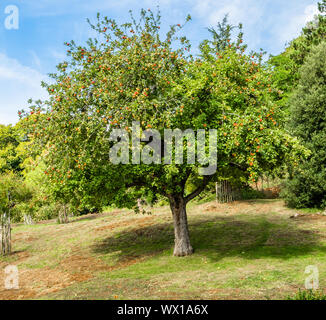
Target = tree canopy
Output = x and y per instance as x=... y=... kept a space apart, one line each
x=308 y=122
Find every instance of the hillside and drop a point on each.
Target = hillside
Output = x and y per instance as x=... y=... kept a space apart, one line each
x=244 y=250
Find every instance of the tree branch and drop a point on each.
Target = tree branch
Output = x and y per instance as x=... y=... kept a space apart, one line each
x=201 y=188
x=243 y=168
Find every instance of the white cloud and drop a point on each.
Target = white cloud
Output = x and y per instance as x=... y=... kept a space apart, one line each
x=36 y=59
x=297 y=22
x=18 y=83
x=246 y=11
x=268 y=24
x=58 y=55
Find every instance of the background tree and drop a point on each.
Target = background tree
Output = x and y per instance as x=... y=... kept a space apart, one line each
x=221 y=34
x=129 y=73
x=287 y=64
x=10 y=159
x=307 y=187
x=19 y=192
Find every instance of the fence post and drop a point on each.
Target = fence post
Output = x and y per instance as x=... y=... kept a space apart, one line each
x=5 y=232
x=225 y=192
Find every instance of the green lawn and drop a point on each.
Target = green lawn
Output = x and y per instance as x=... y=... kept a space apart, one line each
x=245 y=250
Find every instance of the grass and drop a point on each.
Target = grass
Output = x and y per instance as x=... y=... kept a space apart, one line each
x=308 y=210
x=308 y=295
x=245 y=250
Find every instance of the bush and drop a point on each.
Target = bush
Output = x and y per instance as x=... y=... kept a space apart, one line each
x=305 y=190
x=251 y=194
x=47 y=212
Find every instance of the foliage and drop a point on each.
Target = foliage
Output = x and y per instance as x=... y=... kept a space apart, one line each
x=249 y=193
x=9 y=156
x=20 y=194
x=285 y=75
x=306 y=187
x=28 y=196
x=14 y=167
x=135 y=75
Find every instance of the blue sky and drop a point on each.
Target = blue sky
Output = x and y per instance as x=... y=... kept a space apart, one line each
x=28 y=54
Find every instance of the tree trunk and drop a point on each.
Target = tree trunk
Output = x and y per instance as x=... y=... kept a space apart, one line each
x=63 y=217
x=28 y=220
x=182 y=246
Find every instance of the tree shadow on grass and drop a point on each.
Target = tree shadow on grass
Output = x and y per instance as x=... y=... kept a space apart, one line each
x=216 y=238
x=92 y=216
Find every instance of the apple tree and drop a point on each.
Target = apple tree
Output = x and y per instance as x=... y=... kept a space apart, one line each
x=131 y=74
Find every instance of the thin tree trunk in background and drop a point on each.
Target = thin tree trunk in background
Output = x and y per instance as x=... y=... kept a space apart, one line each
x=28 y=220
x=63 y=217
x=140 y=206
x=65 y=214
x=216 y=189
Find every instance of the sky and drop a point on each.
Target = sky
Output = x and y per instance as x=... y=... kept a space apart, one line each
x=32 y=51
